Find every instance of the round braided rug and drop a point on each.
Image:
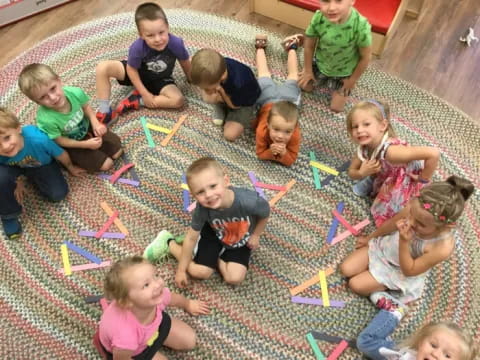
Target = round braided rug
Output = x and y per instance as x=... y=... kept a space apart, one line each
x=44 y=315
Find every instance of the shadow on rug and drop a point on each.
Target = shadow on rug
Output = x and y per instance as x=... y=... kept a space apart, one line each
x=44 y=315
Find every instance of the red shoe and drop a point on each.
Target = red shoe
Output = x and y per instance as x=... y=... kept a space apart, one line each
x=131 y=102
x=106 y=118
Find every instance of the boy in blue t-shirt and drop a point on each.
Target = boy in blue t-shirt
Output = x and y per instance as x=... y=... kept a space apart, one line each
x=28 y=151
x=228 y=84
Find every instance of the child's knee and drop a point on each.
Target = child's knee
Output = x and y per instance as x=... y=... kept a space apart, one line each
x=234 y=278
x=190 y=340
x=345 y=269
x=232 y=133
x=356 y=286
x=101 y=70
x=107 y=164
x=178 y=101
x=117 y=154
x=202 y=273
x=58 y=194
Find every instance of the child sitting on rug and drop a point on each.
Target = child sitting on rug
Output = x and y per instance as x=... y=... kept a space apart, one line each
x=226 y=226
x=399 y=254
x=337 y=50
x=228 y=84
x=438 y=340
x=149 y=67
x=388 y=169
x=26 y=151
x=135 y=323
x=277 y=131
x=67 y=118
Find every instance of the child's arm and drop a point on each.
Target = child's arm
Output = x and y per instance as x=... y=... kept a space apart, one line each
x=181 y=279
x=193 y=307
x=414 y=267
x=148 y=98
x=254 y=241
x=186 y=67
x=307 y=73
x=122 y=354
x=398 y=154
x=65 y=160
x=365 y=56
x=92 y=143
x=359 y=169
x=98 y=128
x=226 y=98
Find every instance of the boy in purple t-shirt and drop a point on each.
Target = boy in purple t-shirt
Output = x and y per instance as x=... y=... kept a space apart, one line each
x=151 y=59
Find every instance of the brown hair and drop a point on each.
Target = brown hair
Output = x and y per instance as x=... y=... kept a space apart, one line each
x=8 y=120
x=375 y=108
x=114 y=284
x=208 y=66
x=285 y=109
x=202 y=164
x=33 y=76
x=468 y=347
x=446 y=199
x=149 y=11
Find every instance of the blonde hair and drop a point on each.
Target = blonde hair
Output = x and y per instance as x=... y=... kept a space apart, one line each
x=377 y=109
x=208 y=66
x=33 y=76
x=202 y=164
x=285 y=109
x=468 y=347
x=114 y=284
x=149 y=11
x=445 y=200
x=8 y=120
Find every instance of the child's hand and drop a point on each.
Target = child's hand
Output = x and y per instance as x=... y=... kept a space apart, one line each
x=99 y=129
x=76 y=171
x=305 y=80
x=149 y=100
x=254 y=242
x=93 y=143
x=181 y=279
x=348 y=85
x=370 y=167
x=196 y=307
x=362 y=241
x=278 y=149
x=19 y=191
x=405 y=229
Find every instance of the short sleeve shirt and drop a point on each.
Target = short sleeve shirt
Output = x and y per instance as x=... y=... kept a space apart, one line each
x=241 y=84
x=158 y=64
x=73 y=125
x=120 y=329
x=337 y=53
x=38 y=150
x=233 y=226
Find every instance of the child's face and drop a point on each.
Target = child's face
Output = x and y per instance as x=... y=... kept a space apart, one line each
x=155 y=33
x=422 y=222
x=336 y=11
x=366 y=129
x=145 y=287
x=11 y=141
x=211 y=89
x=280 y=130
x=441 y=345
x=51 y=95
x=209 y=188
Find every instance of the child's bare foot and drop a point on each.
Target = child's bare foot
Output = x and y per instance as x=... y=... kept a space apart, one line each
x=293 y=42
x=260 y=41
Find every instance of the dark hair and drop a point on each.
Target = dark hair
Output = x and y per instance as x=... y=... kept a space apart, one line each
x=446 y=199
x=149 y=11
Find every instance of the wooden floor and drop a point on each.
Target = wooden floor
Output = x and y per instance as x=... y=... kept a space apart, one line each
x=426 y=51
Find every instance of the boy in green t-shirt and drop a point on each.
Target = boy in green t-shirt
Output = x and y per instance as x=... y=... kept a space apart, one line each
x=67 y=118
x=339 y=40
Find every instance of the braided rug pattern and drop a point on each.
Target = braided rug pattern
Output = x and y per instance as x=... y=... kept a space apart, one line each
x=43 y=312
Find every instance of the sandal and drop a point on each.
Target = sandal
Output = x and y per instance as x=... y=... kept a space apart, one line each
x=260 y=41
x=293 y=41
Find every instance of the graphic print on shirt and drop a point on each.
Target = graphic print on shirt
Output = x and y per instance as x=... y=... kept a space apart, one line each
x=152 y=339
x=27 y=161
x=75 y=127
x=232 y=232
x=159 y=63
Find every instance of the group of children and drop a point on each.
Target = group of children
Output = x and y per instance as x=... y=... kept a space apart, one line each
x=415 y=218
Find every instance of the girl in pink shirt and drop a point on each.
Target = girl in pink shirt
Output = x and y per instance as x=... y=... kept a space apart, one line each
x=135 y=324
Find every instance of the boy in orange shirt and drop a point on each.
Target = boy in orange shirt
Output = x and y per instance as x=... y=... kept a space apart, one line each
x=277 y=132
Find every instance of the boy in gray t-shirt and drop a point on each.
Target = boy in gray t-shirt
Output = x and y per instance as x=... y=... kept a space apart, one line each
x=226 y=225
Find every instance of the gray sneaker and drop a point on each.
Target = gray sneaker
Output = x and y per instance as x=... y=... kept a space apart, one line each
x=364 y=187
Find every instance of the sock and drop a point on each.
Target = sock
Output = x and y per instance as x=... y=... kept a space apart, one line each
x=141 y=101
x=104 y=106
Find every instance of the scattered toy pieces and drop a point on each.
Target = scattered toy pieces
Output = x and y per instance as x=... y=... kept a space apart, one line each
x=159 y=128
x=280 y=194
x=270 y=186
x=105 y=226
x=254 y=181
x=148 y=135
x=335 y=222
x=347 y=233
x=119 y=172
x=338 y=350
x=319 y=302
x=174 y=130
x=324 y=288
x=89 y=266
x=316 y=350
x=81 y=251
x=117 y=221
x=135 y=183
x=345 y=223
x=316 y=173
x=66 y=260
x=324 y=168
x=310 y=282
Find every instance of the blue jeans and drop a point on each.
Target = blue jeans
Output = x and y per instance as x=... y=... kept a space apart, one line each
x=376 y=335
x=364 y=187
x=47 y=178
